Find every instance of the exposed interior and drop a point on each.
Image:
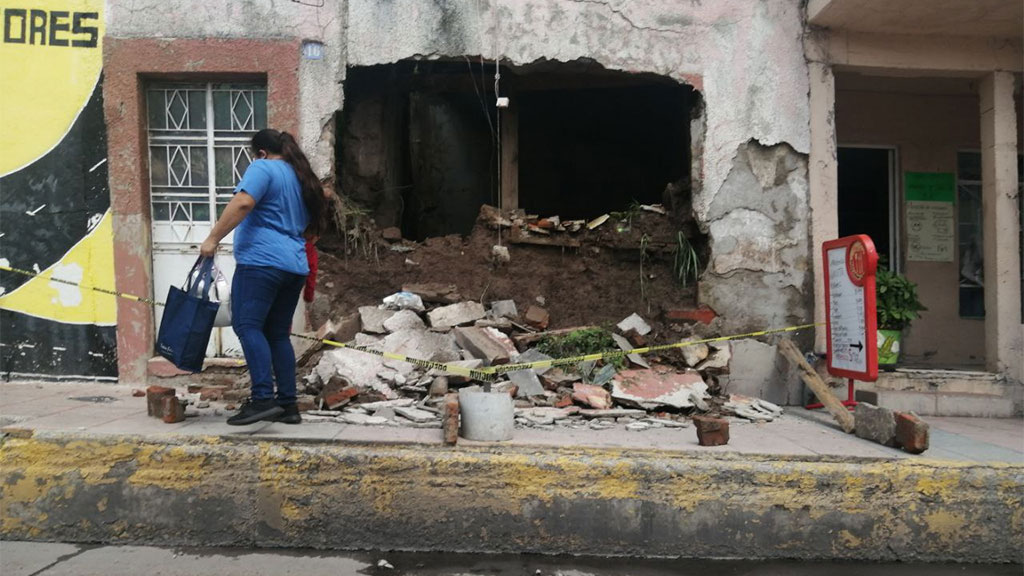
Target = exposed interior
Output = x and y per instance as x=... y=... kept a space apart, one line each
x=418 y=141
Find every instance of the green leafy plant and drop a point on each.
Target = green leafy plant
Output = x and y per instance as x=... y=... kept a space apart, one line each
x=896 y=300
x=579 y=343
x=685 y=263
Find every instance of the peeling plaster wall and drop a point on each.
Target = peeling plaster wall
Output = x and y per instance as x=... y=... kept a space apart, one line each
x=747 y=59
x=319 y=80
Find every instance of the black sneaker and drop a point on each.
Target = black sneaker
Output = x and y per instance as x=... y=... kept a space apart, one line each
x=254 y=411
x=290 y=415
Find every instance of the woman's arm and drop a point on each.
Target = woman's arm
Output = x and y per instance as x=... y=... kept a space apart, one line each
x=236 y=211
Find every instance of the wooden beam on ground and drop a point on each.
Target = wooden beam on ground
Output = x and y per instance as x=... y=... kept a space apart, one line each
x=817 y=385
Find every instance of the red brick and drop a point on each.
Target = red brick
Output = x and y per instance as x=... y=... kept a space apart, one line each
x=563 y=402
x=911 y=432
x=703 y=314
x=173 y=409
x=154 y=397
x=337 y=392
x=537 y=317
x=391 y=234
x=214 y=393
x=138 y=393
x=450 y=419
x=711 y=431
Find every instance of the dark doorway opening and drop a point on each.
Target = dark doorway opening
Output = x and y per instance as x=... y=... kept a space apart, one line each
x=589 y=150
x=866 y=198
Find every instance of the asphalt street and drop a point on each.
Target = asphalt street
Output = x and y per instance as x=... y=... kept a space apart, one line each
x=55 y=559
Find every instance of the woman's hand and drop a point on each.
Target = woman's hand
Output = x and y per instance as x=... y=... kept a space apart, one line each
x=209 y=247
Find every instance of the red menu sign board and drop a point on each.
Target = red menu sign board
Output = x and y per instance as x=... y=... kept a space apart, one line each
x=851 y=323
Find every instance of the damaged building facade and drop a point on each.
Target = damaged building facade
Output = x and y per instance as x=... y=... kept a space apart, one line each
x=737 y=116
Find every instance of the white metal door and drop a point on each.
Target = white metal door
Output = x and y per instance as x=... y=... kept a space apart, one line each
x=198 y=150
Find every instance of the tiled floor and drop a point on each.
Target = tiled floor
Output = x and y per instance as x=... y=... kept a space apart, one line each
x=111 y=409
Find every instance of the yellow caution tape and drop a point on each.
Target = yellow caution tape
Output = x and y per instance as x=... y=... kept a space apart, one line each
x=486 y=374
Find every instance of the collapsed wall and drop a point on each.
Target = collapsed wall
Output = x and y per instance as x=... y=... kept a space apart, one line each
x=745 y=136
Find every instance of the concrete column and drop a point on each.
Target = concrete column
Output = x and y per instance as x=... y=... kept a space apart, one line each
x=824 y=182
x=1000 y=228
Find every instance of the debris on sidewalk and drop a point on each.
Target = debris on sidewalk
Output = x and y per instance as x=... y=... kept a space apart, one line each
x=711 y=431
x=891 y=428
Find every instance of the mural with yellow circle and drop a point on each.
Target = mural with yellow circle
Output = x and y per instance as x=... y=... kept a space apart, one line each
x=54 y=195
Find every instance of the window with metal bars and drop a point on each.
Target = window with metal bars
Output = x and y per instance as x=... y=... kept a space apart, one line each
x=199 y=146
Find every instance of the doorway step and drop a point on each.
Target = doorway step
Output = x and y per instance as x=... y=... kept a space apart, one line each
x=944 y=393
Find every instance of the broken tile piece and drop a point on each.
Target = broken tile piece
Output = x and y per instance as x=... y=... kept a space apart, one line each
x=650 y=390
x=593 y=396
x=634 y=322
x=528 y=383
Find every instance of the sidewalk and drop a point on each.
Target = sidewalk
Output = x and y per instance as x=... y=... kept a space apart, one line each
x=107 y=409
x=84 y=463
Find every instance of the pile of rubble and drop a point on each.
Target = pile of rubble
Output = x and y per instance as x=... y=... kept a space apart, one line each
x=432 y=322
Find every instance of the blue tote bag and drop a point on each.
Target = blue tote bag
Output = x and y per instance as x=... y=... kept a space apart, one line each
x=188 y=318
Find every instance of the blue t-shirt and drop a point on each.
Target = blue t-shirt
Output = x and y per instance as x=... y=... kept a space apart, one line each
x=271 y=235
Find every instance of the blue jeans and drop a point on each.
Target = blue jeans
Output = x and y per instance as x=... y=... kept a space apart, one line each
x=263 y=301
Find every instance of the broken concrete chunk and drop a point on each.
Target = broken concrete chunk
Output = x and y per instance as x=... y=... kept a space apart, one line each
x=694 y=354
x=439 y=386
x=667 y=423
x=422 y=345
x=553 y=378
x=875 y=423
x=593 y=396
x=484 y=344
x=624 y=344
x=718 y=359
x=528 y=383
x=597 y=221
x=534 y=355
x=504 y=309
x=415 y=414
x=634 y=322
x=697 y=398
x=367 y=341
x=500 y=254
x=638 y=426
x=650 y=390
x=374 y=406
x=537 y=317
x=404 y=320
x=358 y=368
x=472 y=364
x=613 y=413
x=448 y=317
x=372 y=319
x=493 y=218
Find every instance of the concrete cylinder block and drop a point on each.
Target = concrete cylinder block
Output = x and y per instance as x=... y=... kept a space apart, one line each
x=486 y=416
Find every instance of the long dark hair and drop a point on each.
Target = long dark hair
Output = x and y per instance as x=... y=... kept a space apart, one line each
x=284 y=144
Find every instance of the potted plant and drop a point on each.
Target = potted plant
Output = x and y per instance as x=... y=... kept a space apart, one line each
x=897 y=306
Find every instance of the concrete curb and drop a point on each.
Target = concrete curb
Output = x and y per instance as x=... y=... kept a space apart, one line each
x=213 y=491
